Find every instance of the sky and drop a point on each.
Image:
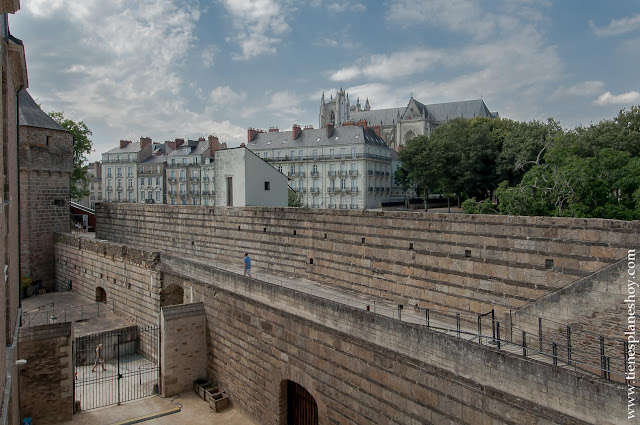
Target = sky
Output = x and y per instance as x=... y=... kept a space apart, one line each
x=170 y=69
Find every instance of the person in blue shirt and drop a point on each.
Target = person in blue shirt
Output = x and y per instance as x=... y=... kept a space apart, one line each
x=247 y=264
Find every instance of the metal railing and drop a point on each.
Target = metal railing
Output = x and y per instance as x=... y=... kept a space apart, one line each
x=48 y=313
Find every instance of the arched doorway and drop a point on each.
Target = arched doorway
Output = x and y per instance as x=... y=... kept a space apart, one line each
x=171 y=295
x=301 y=407
x=101 y=294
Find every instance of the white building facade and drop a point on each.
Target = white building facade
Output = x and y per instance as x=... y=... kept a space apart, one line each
x=347 y=167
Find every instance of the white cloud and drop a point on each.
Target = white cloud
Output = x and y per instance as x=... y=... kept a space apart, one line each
x=207 y=55
x=128 y=58
x=395 y=65
x=338 y=7
x=607 y=98
x=454 y=15
x=257 y=25
x=584 y=88
x=225 y=95
x=617 y=26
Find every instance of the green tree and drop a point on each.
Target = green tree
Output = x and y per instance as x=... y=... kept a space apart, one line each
x=295 y=198
x=82 y=145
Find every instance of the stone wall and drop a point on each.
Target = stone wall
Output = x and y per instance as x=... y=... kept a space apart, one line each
x=359 y=366
x=442 y=261
x=46 y=381
x=183 y=350
x=363 y=368
x=46 y=162
x=127 y=275
x=592 y=307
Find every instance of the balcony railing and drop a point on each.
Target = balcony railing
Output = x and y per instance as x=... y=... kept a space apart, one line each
x=353 y=172
x=343 y=206
x=332 y=173
x=205 y=178
x=370 y=172
x=353 y=206
x=172 y=179
x=195 y=179
x=315 y=174
x=331 y=206
x=331 y=189
x=343 y=172
x=314 y=190
x=352 y=190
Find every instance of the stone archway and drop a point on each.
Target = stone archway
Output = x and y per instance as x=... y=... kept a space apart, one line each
x=172 y=295
x=408 y=136
x=101 y=294
x=297 y=405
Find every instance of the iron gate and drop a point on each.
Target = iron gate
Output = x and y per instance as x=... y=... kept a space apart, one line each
x=301 y=407
x=128 y=369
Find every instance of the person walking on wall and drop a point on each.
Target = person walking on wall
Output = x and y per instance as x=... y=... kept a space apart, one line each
x=247 y=264
x=99 y=358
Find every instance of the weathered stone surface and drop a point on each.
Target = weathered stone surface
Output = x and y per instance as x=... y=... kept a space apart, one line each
x=46 y=381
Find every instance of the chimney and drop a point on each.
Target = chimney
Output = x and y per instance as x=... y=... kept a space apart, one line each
x=274 y=130
x=171 y=145
x=376 y=129
x=98 y=169
x=201 y=139
x=242 y=145
x=296 y=131
x=251 y=134
x=179 y=142
x=124 y=143
x=144 y=142
x=329 y=130
x=347 y=124
x=362 y=123
x=308 y=127
x=224 y=145
x=214 y=145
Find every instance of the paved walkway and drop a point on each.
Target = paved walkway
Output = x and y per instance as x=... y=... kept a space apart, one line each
x=194 y=411
x=439 y=320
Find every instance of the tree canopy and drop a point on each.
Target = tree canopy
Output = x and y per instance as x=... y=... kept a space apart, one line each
x=82 y=145
x=532 y=168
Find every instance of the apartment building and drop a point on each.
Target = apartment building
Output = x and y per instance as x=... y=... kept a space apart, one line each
x=347 y=167
x=151 y=176
x=120 y=165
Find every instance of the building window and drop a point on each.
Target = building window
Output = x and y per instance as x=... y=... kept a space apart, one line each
x=108 y=172
x=341 y=152
x=184 y=161
x=331 y=154
x=267 y=185
x=315 y=154
x=206 y=201
x=265 y=155
x=119 y=171
x=129 y=171
x=158 y=196
x=353 y=152
x=119 y=197
x=195 y=201
x=300 y=156
x=315 y=169
x=109 y=196
x=157 y=181
x=173 y=161
x=195 y=160
x=173 y=201
x=130 y=183
x=343 y=184
x=354 y=184
x=280 y=168
x=301 y=185
x=119 y=184
x=158 y=169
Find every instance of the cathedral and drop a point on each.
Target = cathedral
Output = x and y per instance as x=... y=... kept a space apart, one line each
x=397 y=125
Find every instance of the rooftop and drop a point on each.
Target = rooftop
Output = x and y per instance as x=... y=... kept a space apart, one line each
x=31 y=115
x=341 y=136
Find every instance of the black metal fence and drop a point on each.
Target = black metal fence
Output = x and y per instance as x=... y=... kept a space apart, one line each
x=116 y=366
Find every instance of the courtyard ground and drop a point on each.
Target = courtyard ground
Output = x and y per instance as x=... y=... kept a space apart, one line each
x=194 y=411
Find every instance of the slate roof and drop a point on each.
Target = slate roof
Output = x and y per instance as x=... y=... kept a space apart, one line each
x=435 y=112
x=130 y=148
x=439 y=112
x=195 y=147
x=153 y=159
x=341 y=136
x=31 y=115
x=376 y=116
